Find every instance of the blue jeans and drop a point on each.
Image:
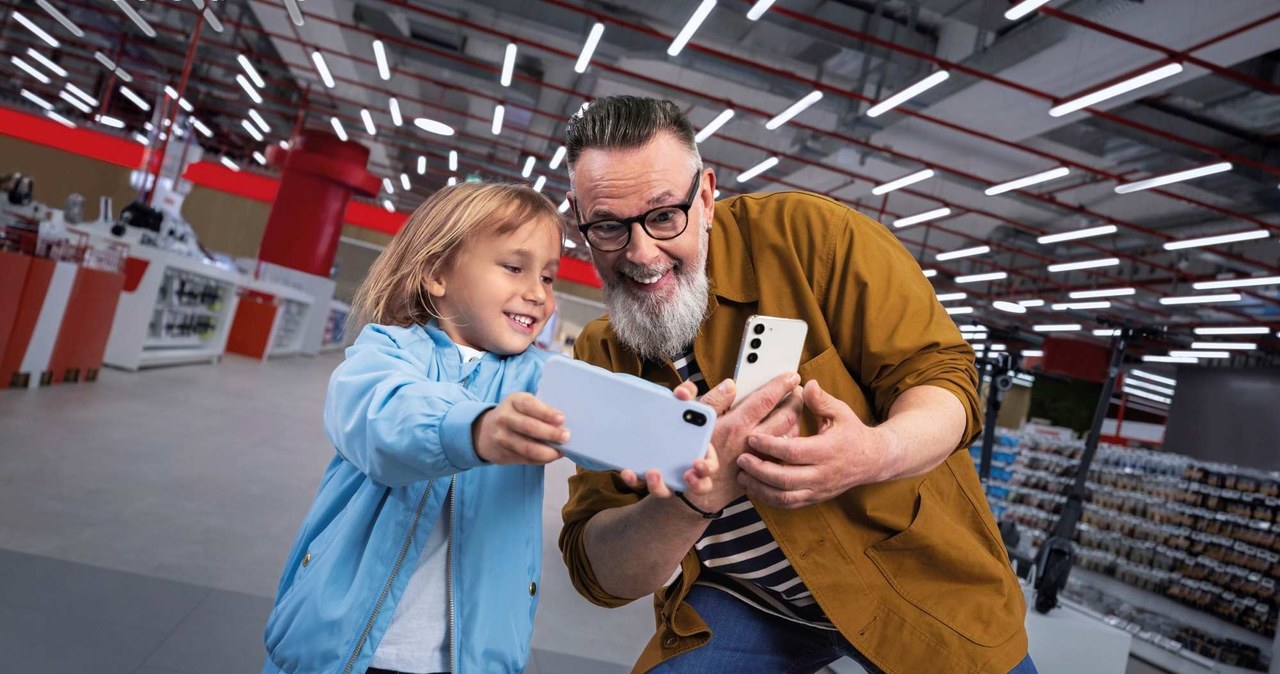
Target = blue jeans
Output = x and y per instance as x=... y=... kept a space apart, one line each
x=746 y=640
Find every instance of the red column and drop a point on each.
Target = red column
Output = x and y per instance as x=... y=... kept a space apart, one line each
x=319 y=173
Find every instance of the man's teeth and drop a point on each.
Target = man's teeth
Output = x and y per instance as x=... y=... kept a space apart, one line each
x=647 y=280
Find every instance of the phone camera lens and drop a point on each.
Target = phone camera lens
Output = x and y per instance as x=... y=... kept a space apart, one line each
x=752 y=357
x=695 y=418
x=759 y=329
x=755 y=343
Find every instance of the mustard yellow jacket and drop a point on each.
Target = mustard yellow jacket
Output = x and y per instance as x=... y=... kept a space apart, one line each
x=912 y=572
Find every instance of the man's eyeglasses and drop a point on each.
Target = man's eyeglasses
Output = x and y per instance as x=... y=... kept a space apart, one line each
x=661 y=223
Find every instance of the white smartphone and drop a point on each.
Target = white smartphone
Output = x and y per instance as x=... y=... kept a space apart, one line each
x=770 y=346
x=617 y=421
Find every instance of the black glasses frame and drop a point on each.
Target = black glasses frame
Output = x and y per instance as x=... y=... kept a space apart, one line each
x=640 y=219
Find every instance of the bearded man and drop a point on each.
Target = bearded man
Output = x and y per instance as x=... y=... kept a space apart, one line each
x=847 y=518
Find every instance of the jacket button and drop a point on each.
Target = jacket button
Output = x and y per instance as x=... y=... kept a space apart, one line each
x=533 y=589
x=306 y=559
x=670 y=642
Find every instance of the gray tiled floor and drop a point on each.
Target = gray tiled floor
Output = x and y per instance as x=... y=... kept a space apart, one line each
x=144 y=518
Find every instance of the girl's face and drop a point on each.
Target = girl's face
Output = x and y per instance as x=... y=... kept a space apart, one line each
x=497 y=296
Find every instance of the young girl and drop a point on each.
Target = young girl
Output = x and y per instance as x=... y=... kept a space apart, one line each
x=423 y=549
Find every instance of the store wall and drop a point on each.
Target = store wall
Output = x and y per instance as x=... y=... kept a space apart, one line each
x=1227 y=414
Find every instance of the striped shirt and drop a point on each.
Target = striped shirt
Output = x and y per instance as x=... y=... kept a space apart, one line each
x=740 y=556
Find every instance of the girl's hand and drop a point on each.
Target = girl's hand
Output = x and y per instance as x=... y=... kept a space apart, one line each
x=519 y=430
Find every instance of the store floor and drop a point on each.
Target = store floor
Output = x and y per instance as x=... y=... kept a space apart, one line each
x=144 y=518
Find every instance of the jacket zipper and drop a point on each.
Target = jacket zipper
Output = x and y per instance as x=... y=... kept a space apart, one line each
x=448 y=574
x=386 y=589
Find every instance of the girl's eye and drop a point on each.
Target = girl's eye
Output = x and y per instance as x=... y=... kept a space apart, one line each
x=548 y=280
x=511 y=268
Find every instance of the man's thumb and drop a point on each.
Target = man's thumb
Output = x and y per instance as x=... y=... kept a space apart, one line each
x=820 y=402
x=721 y=397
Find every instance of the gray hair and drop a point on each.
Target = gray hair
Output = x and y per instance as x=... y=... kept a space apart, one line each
x=625 y=122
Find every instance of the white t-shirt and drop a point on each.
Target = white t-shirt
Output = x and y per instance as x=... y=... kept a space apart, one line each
x=417 y=640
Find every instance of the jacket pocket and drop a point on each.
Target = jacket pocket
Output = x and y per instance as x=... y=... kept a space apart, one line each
x=945 y=566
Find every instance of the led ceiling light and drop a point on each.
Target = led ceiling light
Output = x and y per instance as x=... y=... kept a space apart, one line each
x=44 y=61
x=1031 y=303
x=1242 y=330
x=36 y=30
x=1237 y=283
x=1106 y=332
x=508 y=65
x=956 y=311
x=1173 y=178
x=1032 y=353
x=908 y=93
x=555 y=158
x=1009 y=307
x=1168 y=359
x=60 y=18
x=394 y=106
x=795 y=109
x=229 y=164
x=979 y=278
x=1108 y=292
x=213 y=20
x=323 y=69
x=921 y=217
x=930 y=273
x=295 y=12
x=1034 y=179
x=252 y=130
x=691 y=27
x=947 y=297
x=1084 y=264
x=35 y=74
x=1058 y=327
x=1229 y=346
x=248 y=89
x=1081 y=306
x=1023 y=8
x=257 y=119
x=528 y=166
x=757 y=10
x=75 y=102
x=404 y=182
x=422 y=165
x=1218 y=240
x=1116 y=89
x=368 y=122
x=498 y=113
x=453 y=180
x=438 y=128
x=453 y=157
x=106 y=62
x=1077 y=234
x=136 y=18
x=134 y=98
x=204 y=130
x=714 y=126
x=386 y=203
x=337 y=128
x=1200 y=354
x=593 y=39
x=258 y=157
x=1153 y=377
x=757 y=169
x=251 y=71
x=380 y=55
x=36 y=99
x=963 y=252
x=539 y=183
x=1202 y=299
x=564 y=206
x=387 y=186
x=902 y=182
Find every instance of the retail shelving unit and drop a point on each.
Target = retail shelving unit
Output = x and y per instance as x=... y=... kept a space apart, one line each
x=335 y=336
x=1181 y=553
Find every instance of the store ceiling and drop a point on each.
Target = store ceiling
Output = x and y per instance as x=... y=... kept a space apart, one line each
x=986 y=124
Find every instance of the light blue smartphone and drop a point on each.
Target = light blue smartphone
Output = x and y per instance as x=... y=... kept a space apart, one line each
x=617 y=421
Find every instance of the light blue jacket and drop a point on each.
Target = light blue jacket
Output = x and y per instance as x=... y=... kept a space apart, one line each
x=399 y=412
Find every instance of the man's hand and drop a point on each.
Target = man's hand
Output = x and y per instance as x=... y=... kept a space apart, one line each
x=844 y=454
x=768 y=412
x=518 y=430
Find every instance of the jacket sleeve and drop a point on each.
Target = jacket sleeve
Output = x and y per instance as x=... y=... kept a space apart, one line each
x=385 y=416
x=887 y=324
x=590 y=492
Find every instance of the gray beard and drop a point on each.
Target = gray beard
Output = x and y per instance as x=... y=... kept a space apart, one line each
x=658 y=329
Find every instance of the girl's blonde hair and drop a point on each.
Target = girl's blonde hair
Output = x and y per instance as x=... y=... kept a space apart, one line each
x=394 y=292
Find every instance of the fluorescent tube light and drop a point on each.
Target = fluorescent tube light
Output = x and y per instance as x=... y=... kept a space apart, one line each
x=438 y=128
x=1085 y=264
x=386 y=203
x=1032 y=353
x=921 y=217
x=251 y=71
x=956 y=311
x=908 y=93
x=539 y=183
x=1108 y=292
x=259 y=157
x=902 y=182
x=387 y=186
x=1237 y=283
x=1200 y=354
x=453 y=180
x=714 y=126
x=1009 y=307
x=337 y=128
x=44 y=61
x=75 y=102
x=1229 y=346
x=795 y=109
x=252 y=130
x=973 y=328
x=213 y=20
x=1219 y=239
x=498 y=113
x=556 y=158
x=199 y=125
x=1034 y=179
x=508 y=65
x=27 y=23
x=963 y=252
x=564 y=206
x=404 y=182
x=1106 y=332
x=1168 y=359
x=1031 y=303
x=35 y=74
x=137 y=19
x=394 y=106
x=757 y=169
x=979 y=278
x=1169 y=178
x=593 y=39
x=948 y=297
x=1023 y=8
x=1242 y=330
x=453 y=156
x=757 y=10
x=248 y=89
x=229 y=164
x=134 y=98
x=257 y=119
x=1081 y=306
x=323 y=69
x=528 y=166
x=36 y=99
x=1144 y=394
x=368 y=122
x=295 y=12
x=422 y=165
x=1058 y=327
x=691 y=27
x=1153 y=377
x=1202 y=299
x=60 y=18
x=1117 y=89
x=930 y=273
x=380 y=54
x=1077 y=234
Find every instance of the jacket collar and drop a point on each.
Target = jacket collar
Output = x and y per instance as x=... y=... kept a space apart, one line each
x=733 y=276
